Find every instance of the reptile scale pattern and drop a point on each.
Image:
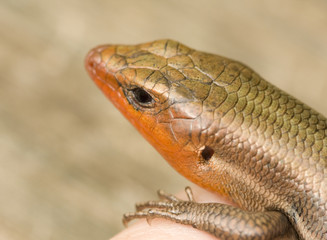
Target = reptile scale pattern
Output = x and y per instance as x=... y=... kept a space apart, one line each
x=269 y=149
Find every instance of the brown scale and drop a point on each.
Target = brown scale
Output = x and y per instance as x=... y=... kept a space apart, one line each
x=226 y=129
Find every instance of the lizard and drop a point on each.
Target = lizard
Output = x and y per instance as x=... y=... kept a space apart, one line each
x=225 y=128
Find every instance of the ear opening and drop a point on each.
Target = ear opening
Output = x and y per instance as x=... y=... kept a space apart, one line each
x=207 y=153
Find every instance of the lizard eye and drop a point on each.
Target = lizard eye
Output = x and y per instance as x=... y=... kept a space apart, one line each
x=142 y=98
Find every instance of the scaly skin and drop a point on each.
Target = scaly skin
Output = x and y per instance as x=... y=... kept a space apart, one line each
x=226 y=129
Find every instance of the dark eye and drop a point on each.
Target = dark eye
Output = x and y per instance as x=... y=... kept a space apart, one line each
x=142 y=98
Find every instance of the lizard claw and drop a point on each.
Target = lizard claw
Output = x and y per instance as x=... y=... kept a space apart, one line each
x=166 y=207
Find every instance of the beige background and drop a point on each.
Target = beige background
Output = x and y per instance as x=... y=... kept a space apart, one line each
x=70 y=165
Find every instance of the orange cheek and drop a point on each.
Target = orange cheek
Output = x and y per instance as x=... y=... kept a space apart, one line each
x=182 y=159
x=158 y=135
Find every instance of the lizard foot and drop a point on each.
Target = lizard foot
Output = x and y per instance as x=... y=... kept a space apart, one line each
x=221 y=220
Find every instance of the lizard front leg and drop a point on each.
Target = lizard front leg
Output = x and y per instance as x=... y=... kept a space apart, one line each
x=223 y=221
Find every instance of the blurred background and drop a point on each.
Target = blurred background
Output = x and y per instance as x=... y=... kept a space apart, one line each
x=70 y=165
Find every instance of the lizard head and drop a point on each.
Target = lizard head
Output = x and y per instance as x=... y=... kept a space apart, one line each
x=166 y=91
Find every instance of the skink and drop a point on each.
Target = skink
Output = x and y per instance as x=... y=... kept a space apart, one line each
x=225 y=128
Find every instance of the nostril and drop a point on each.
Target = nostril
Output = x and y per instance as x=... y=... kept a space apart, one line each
x=93 y=58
